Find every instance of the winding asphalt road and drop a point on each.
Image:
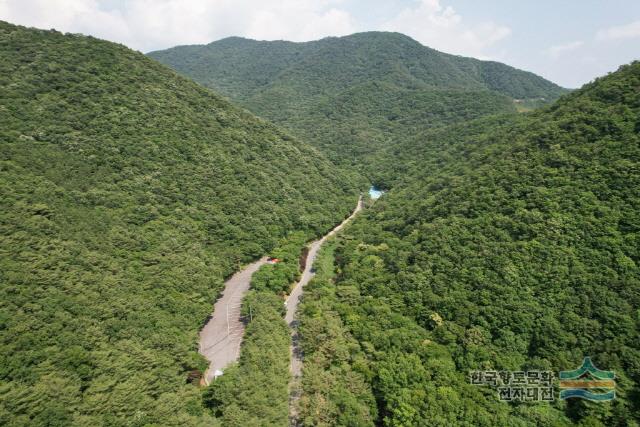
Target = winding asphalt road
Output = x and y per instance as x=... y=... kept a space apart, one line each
x=294 y=298
x=292 y=305
x=221 y=337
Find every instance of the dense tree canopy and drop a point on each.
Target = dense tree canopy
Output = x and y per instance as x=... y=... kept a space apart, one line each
x=128 y=194
x=512 y=243
x=505 y=241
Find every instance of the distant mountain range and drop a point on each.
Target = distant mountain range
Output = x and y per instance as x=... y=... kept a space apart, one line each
x=353 y=95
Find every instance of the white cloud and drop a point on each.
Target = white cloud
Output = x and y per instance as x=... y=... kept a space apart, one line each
x=442 y=28
x=67 y=15
x=628 y=31
x=299 y=21
x=154 y=24
x=557 y=50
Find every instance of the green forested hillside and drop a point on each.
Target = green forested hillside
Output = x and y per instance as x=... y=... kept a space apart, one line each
x=241 y=67
x=511 y=243
x=128 y=194
x=505 y=241
x=353 y=96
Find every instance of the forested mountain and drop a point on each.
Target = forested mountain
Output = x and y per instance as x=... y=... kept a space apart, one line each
x=512 y=243
x=353 y=95
x=128 y=194
x=505 y=242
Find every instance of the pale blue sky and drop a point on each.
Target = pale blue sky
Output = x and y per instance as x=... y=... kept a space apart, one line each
x=538 y=26
x=568 y=42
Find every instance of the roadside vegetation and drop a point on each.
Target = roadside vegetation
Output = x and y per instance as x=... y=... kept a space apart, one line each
x=335 y=389
x=278 y=277
x=255 y=392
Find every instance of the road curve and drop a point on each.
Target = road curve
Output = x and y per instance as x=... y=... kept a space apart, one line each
x=292 y=305
x=221 y=336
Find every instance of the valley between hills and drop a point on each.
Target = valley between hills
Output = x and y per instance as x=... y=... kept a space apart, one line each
x=139 y=189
